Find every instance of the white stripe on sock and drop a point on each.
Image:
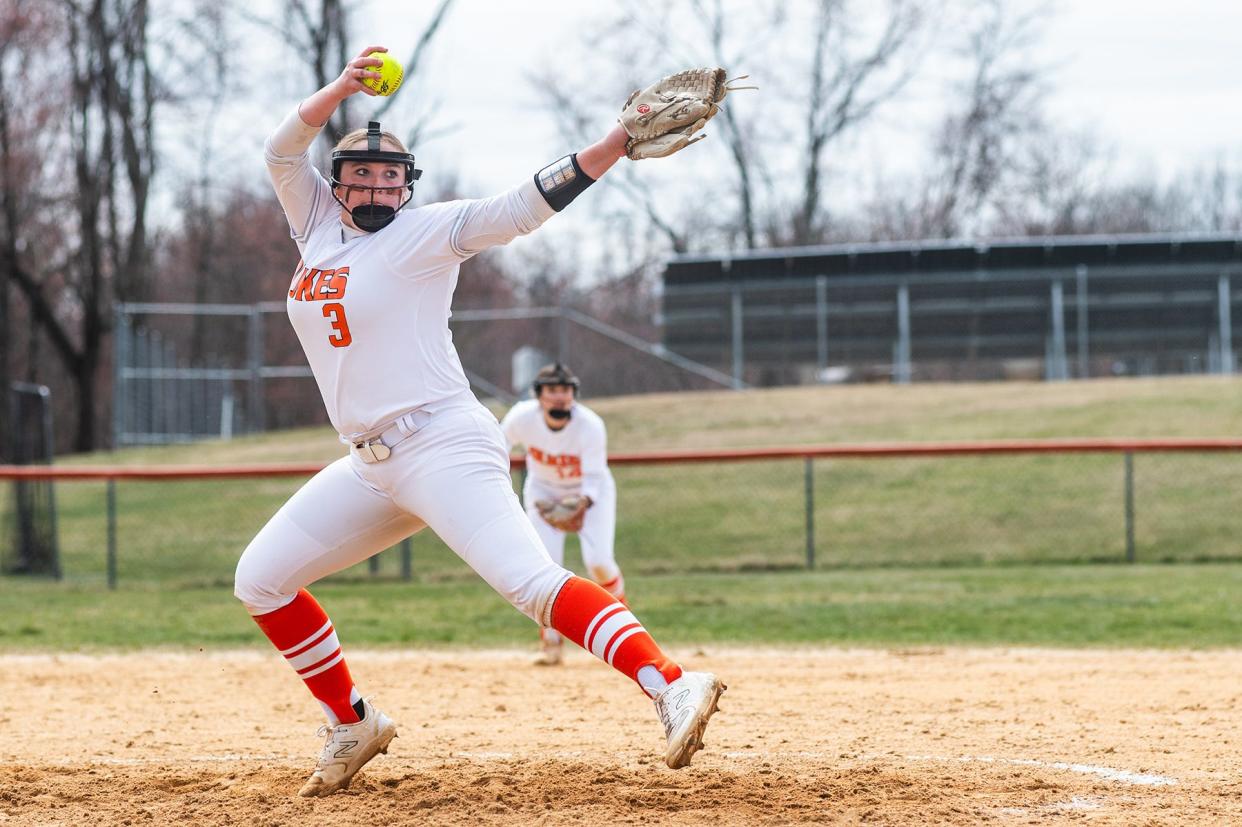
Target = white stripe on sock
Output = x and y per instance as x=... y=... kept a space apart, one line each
x=618 y=640
x=609 y=628
x=316 y=653
x=611 y=607
x=320 y=631
x=339 y=657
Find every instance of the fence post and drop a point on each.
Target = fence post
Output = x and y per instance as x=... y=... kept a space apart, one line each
x=111 y=563
x=901 y=369
x=809 y=474
x=1084 y=362
x=120 y=352
x=821 y=323
x=737 y=337
x=407 y=559
x=1129 y=507
x=1224 y=322
x=256 y=416
x=1057 y=367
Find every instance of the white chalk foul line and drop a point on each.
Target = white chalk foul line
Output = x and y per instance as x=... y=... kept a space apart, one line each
x=1107 y=773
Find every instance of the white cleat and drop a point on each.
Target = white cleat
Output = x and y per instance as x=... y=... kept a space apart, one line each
x=346 y=749
x=550 y=654
x=550 y=648
x=684 y=708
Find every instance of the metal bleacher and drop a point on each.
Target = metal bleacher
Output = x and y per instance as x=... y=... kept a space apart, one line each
x=1055 y=307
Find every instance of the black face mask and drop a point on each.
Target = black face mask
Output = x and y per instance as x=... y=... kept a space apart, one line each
x=372 y=217
x=557 y=413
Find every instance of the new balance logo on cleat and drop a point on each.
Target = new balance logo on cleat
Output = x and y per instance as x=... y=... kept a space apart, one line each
x=347 y=748
x=684 y=709
x=675 y=710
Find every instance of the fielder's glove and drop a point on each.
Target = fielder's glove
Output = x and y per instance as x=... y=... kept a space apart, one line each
x=662 y=118
x=566 y=514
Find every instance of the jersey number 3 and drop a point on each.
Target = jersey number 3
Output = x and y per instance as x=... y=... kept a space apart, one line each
x=335 y=312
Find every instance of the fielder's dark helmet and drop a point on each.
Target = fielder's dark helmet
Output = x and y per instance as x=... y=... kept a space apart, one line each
x=554 y=374
x=372 y=217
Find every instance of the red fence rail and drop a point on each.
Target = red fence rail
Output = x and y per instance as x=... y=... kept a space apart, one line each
x=877 y=449
x=641 y=530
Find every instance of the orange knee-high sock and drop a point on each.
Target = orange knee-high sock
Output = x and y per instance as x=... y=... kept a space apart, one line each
x=305 y=636
x=593 y=619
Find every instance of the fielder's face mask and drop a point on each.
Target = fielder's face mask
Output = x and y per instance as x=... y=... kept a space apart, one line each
x=557 y=375
x=369 y=215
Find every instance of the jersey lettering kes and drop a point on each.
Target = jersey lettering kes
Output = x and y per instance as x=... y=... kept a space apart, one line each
x=371 y=310
x=324 y=285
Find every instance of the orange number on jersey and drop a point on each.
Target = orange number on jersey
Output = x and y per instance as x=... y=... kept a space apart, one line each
x=336 y=312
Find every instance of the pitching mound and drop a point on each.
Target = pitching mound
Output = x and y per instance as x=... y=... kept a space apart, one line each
x=804 y=736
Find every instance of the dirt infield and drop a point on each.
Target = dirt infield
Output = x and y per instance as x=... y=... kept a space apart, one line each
x=957 y=736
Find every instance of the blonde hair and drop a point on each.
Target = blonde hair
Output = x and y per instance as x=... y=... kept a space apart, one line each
x=361 y=134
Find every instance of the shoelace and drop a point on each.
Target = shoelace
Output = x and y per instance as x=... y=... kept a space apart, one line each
x=665 y=717
x=328 y=733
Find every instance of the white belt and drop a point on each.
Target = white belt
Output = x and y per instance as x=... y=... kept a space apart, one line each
x=376 y=445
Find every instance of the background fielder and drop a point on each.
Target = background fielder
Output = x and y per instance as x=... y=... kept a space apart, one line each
x=567 y=462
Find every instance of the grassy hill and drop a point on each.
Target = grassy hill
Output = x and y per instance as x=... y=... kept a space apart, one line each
x=1191 y=407
x=940 y=546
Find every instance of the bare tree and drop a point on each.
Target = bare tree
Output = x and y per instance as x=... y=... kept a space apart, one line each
x=321 y=36
x=1214 y=198
x=824 y=67
x=1052 y=179
x=208 y=43
x=847 y=84
x=979 y=143
x=23 y=27
x=68 y=278
x=673 y=35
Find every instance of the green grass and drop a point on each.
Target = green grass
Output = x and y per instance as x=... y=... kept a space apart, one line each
x=744 y=516
x=1132 y=606
x=1044 y=531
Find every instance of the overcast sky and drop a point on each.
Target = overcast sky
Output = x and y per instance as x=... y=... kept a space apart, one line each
x=1157 y=84
x=1162 y=82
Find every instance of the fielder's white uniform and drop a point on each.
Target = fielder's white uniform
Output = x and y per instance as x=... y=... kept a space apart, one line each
x=572 y=460
x=371 y=311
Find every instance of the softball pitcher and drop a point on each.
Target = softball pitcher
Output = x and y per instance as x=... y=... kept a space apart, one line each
x=370 y=302
x=568 y=488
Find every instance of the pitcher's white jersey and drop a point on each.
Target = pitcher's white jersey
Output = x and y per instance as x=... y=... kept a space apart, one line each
x=373 y=364
x=573 y=459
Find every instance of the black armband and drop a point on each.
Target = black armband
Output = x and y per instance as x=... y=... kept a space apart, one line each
x=562 y=181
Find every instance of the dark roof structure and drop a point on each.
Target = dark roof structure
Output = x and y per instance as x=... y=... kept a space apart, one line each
x=1055 y=306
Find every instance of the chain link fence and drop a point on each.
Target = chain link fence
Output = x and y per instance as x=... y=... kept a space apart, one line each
x=184 y=372
x=733 y=516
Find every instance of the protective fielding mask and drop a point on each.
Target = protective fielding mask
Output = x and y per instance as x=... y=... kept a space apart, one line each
x=370 y=216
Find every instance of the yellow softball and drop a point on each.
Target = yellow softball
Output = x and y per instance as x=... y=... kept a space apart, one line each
x=390 y=73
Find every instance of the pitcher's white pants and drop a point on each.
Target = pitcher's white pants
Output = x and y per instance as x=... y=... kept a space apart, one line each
x=598 y=528
x=451 y=475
